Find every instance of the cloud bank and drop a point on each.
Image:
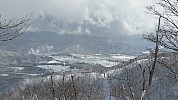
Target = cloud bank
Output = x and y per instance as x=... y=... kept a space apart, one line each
x=107 y=17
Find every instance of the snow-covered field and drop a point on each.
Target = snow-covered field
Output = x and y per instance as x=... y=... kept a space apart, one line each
x=62 y=63
x=55 y=68
x=104 y=60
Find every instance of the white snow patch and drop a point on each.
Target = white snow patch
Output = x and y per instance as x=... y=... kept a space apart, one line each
x=114 y=71
x=18 y=68
x=55 y=68
x=53 y=61
x=4 y=74
x=146 y=52
x=143 y=94
x=122 y=57
x=28 y=74
x=141 y=61
x=33 y=74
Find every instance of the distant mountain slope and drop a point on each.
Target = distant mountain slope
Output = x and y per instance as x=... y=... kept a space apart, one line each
x=49 y=42
x=15 y=58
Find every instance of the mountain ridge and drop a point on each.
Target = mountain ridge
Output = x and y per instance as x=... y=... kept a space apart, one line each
x=72 y=43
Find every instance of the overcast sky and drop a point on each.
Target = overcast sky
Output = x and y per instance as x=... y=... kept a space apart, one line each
x=129 y=13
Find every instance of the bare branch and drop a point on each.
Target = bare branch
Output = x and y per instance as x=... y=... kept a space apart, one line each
x=12 y=28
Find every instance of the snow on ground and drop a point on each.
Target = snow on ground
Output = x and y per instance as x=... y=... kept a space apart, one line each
x=105 y=60
x=122 y=57
x=102 y=62
x=146 y=52
x=115 y=71
x=55 y=68
x=53 y=62
x=120 y=70
x=28 y=74
x=19 y=68
x=4 y=74
x=141 y=61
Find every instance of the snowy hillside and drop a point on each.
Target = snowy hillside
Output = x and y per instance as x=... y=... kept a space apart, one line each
x=50 y=42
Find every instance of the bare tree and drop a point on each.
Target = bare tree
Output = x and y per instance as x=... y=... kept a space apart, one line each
x=12 y=28
x=169 y=29
x=153 y=67
x=166 y=34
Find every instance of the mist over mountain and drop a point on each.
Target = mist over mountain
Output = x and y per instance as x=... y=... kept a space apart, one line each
x=82 y=27
x=109 y=18
x=106 y=18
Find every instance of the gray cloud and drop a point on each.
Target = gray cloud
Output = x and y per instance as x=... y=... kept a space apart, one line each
x=83 y=16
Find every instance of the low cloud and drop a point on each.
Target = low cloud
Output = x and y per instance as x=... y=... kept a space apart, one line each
x=83 y=16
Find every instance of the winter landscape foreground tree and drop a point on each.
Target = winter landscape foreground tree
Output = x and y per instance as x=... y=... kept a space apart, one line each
x=151 y=78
